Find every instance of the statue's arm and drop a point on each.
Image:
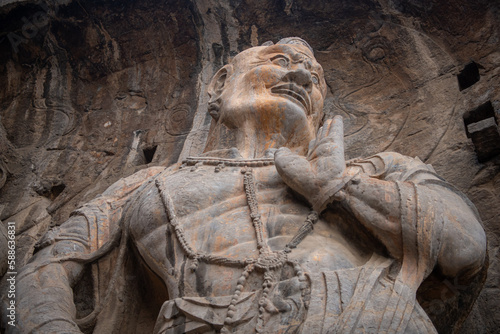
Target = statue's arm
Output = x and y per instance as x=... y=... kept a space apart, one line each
x=376 y=203
x=372 y=191
x=45 y=284
x=45 y=295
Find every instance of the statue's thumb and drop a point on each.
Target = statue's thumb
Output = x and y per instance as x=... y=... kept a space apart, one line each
x=283 y=157
x=289 y=163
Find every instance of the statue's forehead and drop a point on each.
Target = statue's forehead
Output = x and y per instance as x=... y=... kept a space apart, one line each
x=295 y=51
x=254 y=56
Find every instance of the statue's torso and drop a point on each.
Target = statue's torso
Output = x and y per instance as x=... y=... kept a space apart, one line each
x=211 y=207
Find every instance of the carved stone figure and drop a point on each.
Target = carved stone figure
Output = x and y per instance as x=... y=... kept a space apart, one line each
x=270 y=230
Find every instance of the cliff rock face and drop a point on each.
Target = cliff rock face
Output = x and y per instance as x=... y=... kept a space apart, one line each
x=93 y=91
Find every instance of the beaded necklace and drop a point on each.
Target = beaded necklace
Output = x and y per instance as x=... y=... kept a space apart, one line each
x=267 y=262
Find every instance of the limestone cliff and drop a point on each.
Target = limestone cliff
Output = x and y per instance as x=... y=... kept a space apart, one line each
x=92 y=91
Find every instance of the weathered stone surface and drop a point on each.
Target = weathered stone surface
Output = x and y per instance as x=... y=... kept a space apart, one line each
x=79 y=86
x=379 y=227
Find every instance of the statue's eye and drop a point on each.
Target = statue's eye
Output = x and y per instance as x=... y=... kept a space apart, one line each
x=281 y=60
x=315 y=78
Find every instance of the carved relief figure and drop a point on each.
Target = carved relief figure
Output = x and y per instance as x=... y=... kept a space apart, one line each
x=269 y=230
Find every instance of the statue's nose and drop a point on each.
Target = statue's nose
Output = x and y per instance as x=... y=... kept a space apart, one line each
x=301 y=77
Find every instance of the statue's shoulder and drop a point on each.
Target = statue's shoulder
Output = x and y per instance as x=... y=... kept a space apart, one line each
x=103 y=215
x=132 y=182
x=394 y=166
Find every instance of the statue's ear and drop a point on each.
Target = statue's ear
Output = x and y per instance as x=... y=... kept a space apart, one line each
x=215 y=89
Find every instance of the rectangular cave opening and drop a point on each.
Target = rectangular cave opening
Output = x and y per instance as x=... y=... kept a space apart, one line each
x=149 y=153
x=57 y=190
x=481 y=126
x=468 y=76
x=484 y=112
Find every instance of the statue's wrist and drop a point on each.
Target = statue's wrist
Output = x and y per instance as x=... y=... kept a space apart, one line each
x=334 y=191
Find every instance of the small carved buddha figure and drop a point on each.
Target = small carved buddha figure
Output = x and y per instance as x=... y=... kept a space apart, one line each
x=269 y=230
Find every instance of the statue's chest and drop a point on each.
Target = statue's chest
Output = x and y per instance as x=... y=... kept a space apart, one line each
x=203 y=191
x=194 y=190
x=206 y=215
x=213 y=209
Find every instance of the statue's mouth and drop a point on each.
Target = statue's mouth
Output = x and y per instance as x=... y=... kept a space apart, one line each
x=294 y=93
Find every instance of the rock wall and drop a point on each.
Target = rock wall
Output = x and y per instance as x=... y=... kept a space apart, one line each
x=93 y=91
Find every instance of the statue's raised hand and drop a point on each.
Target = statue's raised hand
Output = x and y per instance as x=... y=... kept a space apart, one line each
x=322 y=174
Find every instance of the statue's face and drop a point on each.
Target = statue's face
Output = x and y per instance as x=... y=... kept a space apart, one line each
x=280 y=87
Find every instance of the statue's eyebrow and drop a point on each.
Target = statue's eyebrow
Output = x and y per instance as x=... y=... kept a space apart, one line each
x=294 y=56
x=315 y=66
x=274 y=53
x=259 y=60
x=268 y=54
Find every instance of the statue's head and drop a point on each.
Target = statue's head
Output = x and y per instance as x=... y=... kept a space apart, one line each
x=273 y=86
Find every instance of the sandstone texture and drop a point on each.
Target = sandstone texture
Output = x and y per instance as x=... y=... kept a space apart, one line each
x=93 y=91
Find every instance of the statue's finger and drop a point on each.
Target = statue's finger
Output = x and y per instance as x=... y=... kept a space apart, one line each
x=321 y=135
x=295 y=170
x=332 y=144
x=336 y=130
x=286 y=159
x=325 y=129
x=331 y=151
x=311 y=148
x=283 y=157
x=318 y=133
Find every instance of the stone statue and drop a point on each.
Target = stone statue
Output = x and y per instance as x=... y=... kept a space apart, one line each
x=269 y=230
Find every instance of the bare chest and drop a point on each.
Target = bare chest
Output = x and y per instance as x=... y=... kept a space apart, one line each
x=215 y=231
